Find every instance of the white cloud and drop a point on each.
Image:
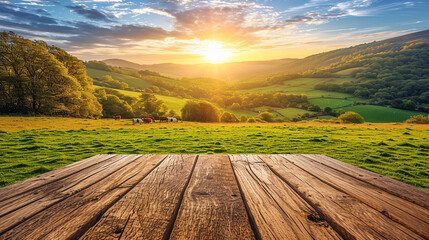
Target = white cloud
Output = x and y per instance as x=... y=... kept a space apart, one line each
x=152 y=10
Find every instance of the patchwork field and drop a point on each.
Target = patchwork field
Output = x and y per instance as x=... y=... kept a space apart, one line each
x=173 y=103
x=379 y=114
x=331 y=102
x=305 y=86
x=30 y=146
x=131 y=81
x=292 y=112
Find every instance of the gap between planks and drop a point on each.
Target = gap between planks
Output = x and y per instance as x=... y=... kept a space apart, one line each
x=241 y=171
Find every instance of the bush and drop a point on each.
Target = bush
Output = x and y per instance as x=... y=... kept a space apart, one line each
x=243 y=118
x=419 y=119
x=200 y=111
x=228 y=117
x=251 y=120
x=266 y=117
x=351 y=117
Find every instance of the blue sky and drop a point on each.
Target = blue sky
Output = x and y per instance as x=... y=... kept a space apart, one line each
x=180 y=31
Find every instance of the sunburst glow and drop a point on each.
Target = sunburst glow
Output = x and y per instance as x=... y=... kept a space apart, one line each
x=215 y=52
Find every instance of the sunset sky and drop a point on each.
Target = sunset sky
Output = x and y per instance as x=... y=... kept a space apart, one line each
x=193 y=31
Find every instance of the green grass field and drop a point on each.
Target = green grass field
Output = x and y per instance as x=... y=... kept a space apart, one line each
x=292 y=112
x=305 y=86
x=331 y=102
x=397 y=151
x=131 y=81
x=173 y=103
x=379 y=114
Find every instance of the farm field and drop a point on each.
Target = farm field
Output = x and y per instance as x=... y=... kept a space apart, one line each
x=173 y=103
x=292 y=112
x=130 y=80
x=331 y=102
x=30 y=146
x=379 y=114
x=305 y=86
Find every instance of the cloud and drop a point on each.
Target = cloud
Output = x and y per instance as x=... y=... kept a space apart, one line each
x=92 y=14
x=42 y=11
x=8 y=11
x=152 y=10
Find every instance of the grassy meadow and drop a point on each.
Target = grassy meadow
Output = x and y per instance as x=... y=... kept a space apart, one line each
x=31 y=146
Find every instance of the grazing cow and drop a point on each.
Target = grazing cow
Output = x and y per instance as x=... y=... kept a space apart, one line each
x=117 y=117
x=137 y=120
x=163 y=119
x=171 y=120
x=147 y=120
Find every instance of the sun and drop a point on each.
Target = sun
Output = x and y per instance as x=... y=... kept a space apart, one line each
x=215 y=52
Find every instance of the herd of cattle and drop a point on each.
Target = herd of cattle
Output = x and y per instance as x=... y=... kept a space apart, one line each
x=149 y=119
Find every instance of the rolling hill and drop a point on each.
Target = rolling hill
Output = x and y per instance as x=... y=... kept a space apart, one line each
x=251 y=70
x=235 y=71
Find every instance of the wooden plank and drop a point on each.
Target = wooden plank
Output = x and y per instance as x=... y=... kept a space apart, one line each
x=48 y=177
x=276 y=209
x=411 y=193
x=71 y=217
x=148 y=210
x=20 y=207
x=406 y=213
x=347 y=215
x=212 y=207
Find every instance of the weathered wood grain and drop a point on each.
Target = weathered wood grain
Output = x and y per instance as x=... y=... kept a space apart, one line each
x=71 y=217
x=180 y=197
x=212 y=207
x=277 y=210
x=404 y=212
x=48 y=177
x=411 y=193
x=347 y=215
x=149 y=209
x=20 y=207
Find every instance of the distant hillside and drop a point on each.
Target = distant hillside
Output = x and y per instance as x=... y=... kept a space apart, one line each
x=236 y=71
x=253 y=70
x=344 y=54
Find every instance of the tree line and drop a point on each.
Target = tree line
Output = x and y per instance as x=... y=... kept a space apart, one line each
x=399 y=79
x=42 y=79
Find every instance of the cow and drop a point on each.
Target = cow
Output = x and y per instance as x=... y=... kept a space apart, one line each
x=137 y=120
x=163 y=119
x=147 y=120
x=171 y=120
x=117 y=117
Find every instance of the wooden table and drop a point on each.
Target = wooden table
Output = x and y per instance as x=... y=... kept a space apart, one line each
x=212 y=197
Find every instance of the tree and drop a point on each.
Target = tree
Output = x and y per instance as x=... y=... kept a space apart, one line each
x=327 y=110
x=200 y=111
x=172 y=113
x=235 y=106
x=228 y=117
x=419 y=119
x=351 y=117
x=314 y=108
x=251 y=120
x=42 y=79
x=243 y=118
x=113 y=105
x=266 y=116
x=150 y=105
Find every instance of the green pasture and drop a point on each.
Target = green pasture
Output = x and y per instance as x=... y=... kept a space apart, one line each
x=130 y=80
x=398 y=153
x=305 y=86
x=173 y=103
x=331 y=102
x=292 y=112
x=379 y=114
